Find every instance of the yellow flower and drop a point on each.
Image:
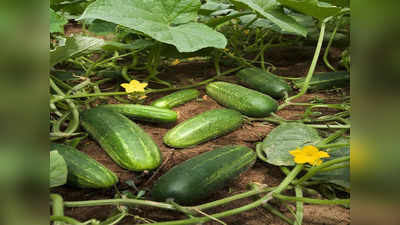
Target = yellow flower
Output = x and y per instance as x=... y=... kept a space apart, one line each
x=134 y=86
x=309 y=154
x=175 y=62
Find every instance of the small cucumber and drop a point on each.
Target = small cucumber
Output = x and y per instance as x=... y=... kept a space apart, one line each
x=326 y=80
x=200 y=176
x=264 y=82
x=124 y=141
x=247 y=101
x=176 y=98
x=203 y=127
x=83 y=171
x=143 y=112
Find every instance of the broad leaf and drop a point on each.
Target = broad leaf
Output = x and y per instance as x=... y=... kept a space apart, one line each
x=285 y=138
x=58 y=169
x=57 y=22
x=340 y=176
x=212 y=6
x=315 y=8
x=271 y=10
x=135 y=45
x=75 y=46
x=340 y=3
x=102 y=27
x=168 y=21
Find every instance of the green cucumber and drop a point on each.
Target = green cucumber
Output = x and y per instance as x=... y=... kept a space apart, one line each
x=203 y=127
x=247 y=101
x=264 y=82
x=326 y=80
x=144 y=112
x=124 y=141
x=176 y=98
x=200 y=176
x=83 y=171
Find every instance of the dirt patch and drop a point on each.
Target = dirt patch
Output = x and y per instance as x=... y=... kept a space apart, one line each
x=248 y=135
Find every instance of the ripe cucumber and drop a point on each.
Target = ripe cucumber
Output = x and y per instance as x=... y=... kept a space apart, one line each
x=199 y=177
x=203 y=127
x=326 y=80
x=264 y=82
x=247 y=101
x=176 y=98
x=83 y=171
x=124 y=141
x=144 y=112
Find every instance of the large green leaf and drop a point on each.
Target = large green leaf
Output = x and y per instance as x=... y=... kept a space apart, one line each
x=57 y=22
x=271 y=10
x=167 y=21
x=75 y=46
x=285 y=138
x=315 y=8
x=340 y=3
x=58 y=169
x=340 y=176
x=99 y=27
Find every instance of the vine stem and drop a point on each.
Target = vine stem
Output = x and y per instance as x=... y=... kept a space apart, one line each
x=310 y=73
x=74 y=124
x=299 y=204
x=282 y=186
x=164 y=205
x=326 y=61
x=60 y=97
x=315 y=169
x=277 y=213
x=66 y=219
x=344 y=202
x=57 y=207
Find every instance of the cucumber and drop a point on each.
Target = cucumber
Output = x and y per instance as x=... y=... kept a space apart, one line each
x=176 y=98
x=264 y=82
x=83 y=171
x=200 y=176
x=144 y=112
x=326 y=80
x=203 y=127
x=124 y=141
x=249 y=102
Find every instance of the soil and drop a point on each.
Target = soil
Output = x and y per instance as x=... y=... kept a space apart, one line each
x=292 y=62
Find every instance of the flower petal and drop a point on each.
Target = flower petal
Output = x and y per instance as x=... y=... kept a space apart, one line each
x=323 y=154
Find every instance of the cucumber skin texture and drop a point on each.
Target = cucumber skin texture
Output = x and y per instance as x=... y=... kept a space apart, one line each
x=264 y=82
x=203 y=127
x=176 y=98
x=200 y=176
x=326 y=80
x=143 y=112
x=83 y=171
x=247 y=101
x=124 y=141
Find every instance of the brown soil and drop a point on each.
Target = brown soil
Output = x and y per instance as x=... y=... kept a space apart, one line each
x=248 y=135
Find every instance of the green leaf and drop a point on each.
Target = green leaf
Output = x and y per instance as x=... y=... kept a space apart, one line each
x=100 y=27
x=271 y=10
x=315 y=8
x=285 y=138
x=57 y=22
x=135 y=45
x=340 y=176
x=340 y=3
x=75 y=46
x=58 y=169
x=168 y=21
x=211 y=6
